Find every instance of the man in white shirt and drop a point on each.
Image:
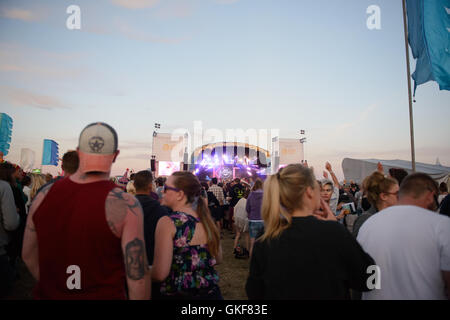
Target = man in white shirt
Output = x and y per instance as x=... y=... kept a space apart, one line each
x=410 y=244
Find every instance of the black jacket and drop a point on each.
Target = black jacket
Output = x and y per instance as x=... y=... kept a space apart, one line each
x=312 y=259
x=153 y=211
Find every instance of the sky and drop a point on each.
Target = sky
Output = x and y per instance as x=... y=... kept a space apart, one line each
x=249 y=64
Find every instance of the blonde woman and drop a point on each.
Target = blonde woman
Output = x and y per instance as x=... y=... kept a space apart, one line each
x=382 y=193
x=37 y=181
x=304 y=253
x=187 y=243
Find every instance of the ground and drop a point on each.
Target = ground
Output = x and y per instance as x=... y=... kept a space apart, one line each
x=232 y=272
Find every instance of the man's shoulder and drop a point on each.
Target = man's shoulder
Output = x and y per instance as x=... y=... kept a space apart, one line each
x=119 y=198
x=3 y=185
x=150 y=205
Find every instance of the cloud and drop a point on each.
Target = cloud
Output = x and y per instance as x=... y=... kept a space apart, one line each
x=37 y=62
x=136 y=156
x=18 y=14
x=135 y=4
x=360 y=118
x=134 y=34
x=23 y=98
x=226 y=1
x=127 y=145
x=178 y=9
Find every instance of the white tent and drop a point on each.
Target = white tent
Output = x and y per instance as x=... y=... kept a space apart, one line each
x=358 y=169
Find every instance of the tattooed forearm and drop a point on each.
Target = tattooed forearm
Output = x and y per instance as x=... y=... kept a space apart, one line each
x=134 y=259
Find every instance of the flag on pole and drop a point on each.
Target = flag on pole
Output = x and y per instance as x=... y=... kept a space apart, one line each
x=429 y=38
x=50 y=153
x=6 y=124
x=27 y=157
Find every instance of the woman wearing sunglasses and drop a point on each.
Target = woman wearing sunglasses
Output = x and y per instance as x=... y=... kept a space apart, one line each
x=382 y=192
x=187 y=243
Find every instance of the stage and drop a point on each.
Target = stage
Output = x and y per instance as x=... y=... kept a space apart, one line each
x=229 y=160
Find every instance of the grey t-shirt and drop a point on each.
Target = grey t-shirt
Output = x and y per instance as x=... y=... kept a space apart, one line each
x=9 y=218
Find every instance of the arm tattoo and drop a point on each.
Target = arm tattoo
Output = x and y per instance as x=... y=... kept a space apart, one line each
x=131 y=202
x=134 y=259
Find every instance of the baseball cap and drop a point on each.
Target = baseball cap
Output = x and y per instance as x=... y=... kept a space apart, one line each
x=97 y=147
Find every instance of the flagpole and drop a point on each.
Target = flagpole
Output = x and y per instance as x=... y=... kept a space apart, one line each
x=411 y=126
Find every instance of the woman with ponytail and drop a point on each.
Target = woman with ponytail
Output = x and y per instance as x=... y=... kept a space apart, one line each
x=187 y=243
x=382 y=192
x=304 y=253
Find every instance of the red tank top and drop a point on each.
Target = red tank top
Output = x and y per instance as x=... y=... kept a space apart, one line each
x=72 y=231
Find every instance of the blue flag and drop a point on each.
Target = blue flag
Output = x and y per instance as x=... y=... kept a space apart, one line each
x=6 y=124
x=429 y=38
x=50 y=153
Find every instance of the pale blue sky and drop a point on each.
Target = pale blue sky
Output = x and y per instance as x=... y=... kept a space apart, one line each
x=263 y=64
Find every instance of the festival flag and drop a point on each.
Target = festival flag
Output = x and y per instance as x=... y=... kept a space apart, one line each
x=6 y=124
x=27 y=157
x=50 y=153
x=429 y=38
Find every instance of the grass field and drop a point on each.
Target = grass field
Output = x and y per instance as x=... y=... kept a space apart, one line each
x=232 y=272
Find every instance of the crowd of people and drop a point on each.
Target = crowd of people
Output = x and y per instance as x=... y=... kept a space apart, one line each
x=85 y=235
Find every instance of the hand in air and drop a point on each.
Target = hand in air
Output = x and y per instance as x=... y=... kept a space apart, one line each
x=380 y=167
x=325 y=212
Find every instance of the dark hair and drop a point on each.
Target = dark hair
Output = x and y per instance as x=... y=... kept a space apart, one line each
x=416 y=184
x=142 y=180
x=49 y=177
x=258 y=185
x=398 y=174
x=443 y=187
x=190 y=185
x=205 y=185
x=237 y=180
x=6 y=172
x=26 y=181
x=214 y=180
x=70 y=162
x=132 y=176
x=160 y=181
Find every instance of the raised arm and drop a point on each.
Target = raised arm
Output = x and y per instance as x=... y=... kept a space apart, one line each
x=125 y=219
x=333 y=176
x=30 y=252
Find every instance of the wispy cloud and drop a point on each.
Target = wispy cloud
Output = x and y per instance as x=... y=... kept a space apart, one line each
x=23 y=98
x=136 y=156
x=359 y=119
x=129 y=32
x=130 y=145
x=177 y=9
x=135 y=4
x=18 y=14
x=37 y=62
x=225 y=1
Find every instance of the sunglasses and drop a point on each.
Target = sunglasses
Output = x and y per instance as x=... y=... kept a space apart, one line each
x=166 y=187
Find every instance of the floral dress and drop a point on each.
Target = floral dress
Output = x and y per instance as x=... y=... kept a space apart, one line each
x=192 y=271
